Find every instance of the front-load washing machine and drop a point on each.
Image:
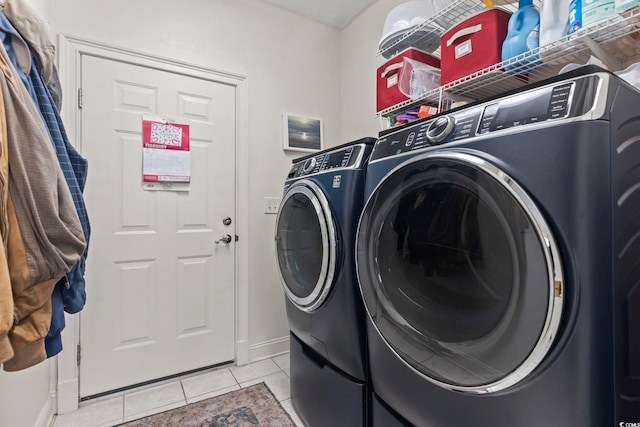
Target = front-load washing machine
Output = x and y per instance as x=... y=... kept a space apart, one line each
x=498 y=255
x=315 y=238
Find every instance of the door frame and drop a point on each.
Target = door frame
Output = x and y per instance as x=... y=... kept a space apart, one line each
x=70 y=52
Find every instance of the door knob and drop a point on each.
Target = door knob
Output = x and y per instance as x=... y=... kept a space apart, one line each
x=226 y=221
x=226 y=239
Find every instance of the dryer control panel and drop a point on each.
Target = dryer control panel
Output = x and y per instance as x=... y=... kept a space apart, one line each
x=551 y=102
x=341 y=158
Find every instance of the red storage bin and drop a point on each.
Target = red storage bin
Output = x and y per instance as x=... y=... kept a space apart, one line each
x=387 y=92
x=473 y=44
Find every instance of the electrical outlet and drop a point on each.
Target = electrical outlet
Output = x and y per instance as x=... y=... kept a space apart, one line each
x=271 y=205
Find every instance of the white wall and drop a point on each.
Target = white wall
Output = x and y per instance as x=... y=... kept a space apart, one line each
x=359 y=62
x=24 y=397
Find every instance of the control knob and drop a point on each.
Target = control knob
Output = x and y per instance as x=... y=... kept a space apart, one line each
x=440 y=129
x=309 y=165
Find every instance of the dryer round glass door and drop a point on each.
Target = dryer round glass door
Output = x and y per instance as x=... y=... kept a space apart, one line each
x=459 y=272
x=306 y=245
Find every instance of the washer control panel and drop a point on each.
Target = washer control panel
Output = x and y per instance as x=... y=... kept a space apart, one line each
x=529 y=107
x=341 y=158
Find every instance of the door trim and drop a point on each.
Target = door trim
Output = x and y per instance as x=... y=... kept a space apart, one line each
x=70 y=51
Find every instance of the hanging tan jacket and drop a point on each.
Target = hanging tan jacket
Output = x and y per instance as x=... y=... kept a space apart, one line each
x=45 y=234
x=6 y=297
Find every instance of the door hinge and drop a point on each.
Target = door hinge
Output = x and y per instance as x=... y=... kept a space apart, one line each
x=78 y=355
x=80 y=98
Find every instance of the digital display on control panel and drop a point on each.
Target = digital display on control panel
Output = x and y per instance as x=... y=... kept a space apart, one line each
x=530 y=107
x=338 y=159
x=517 y=109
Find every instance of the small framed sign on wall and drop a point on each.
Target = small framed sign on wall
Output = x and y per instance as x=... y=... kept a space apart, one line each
x=301 y=133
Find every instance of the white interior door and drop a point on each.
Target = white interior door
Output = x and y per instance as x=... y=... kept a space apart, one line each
x=160 y=291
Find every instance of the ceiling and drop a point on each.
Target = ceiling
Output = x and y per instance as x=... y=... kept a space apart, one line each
x=336 y=13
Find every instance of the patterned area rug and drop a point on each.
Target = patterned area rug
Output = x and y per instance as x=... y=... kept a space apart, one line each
x=251 y=406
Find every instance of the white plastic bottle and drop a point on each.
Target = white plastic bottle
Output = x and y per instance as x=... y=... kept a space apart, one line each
x=554 y=20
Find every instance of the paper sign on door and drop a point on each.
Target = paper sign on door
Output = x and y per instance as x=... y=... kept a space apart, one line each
x=166 y=153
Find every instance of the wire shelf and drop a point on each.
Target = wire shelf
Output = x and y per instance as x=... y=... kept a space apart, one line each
x=615 y=42
x=426 y=36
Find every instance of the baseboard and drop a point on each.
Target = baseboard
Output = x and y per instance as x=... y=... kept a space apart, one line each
x=45 y=418
x=68 y=396
x=267 y=349
x=242 y=352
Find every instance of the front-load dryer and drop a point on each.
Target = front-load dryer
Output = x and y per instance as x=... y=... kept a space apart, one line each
x=498 y=255
x=315 y=238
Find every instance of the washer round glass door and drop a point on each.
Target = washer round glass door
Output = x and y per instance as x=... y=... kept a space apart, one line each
x=459 y=272
x=306 y=245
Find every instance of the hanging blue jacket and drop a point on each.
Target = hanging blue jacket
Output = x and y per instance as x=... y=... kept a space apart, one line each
x=74 y=167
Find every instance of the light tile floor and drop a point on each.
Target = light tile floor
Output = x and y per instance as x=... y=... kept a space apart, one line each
x=137 y=403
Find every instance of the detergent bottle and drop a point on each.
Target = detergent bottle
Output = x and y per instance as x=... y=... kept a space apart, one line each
x=554 y=20
x=522 y=36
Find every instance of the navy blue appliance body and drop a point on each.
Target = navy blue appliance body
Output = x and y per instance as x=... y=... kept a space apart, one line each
x=324 y=308
x=581 y=170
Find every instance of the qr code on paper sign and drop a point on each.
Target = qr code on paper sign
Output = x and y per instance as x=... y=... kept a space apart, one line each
x=166 y=134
